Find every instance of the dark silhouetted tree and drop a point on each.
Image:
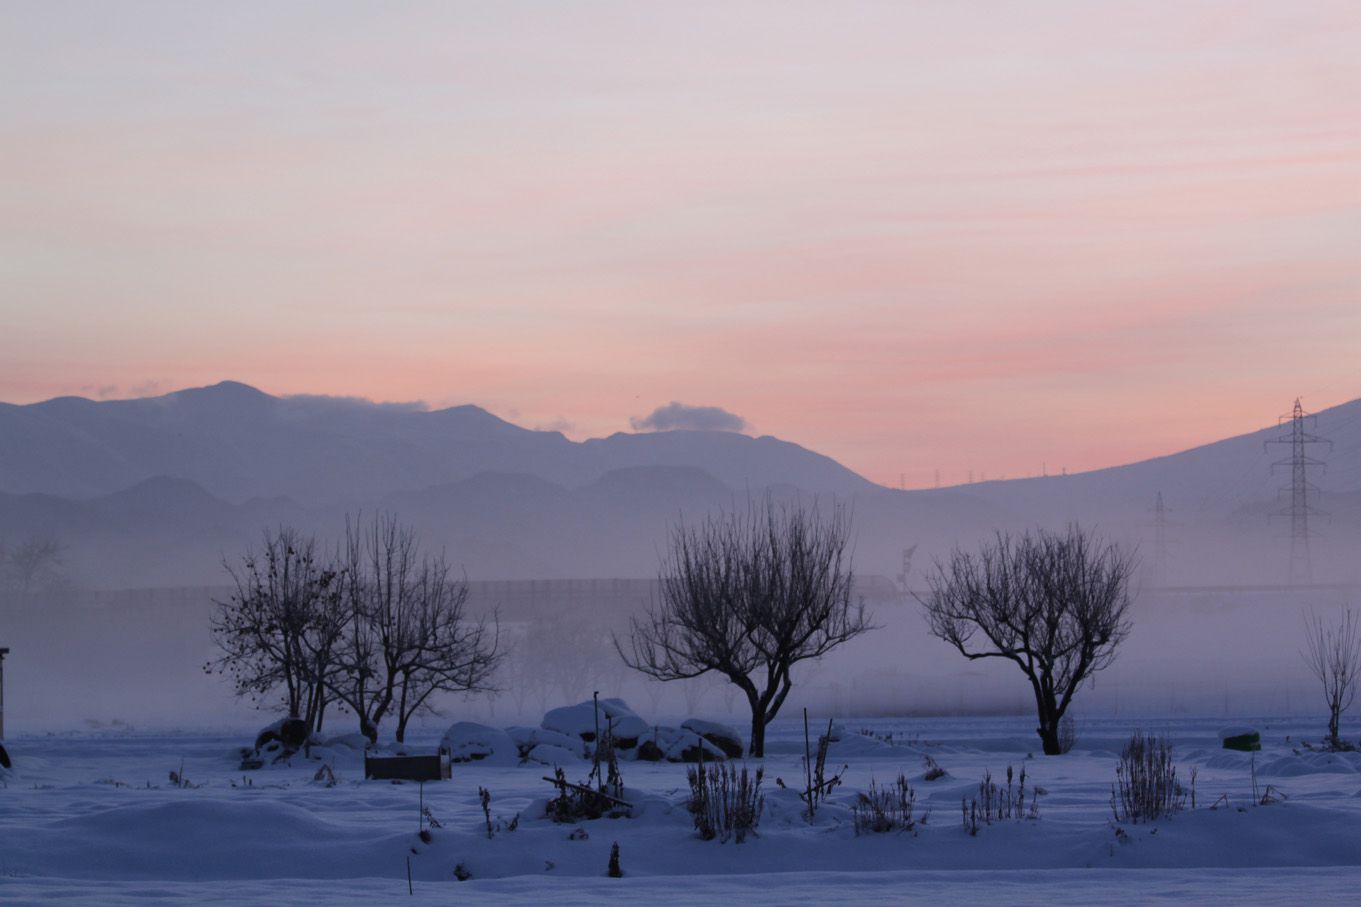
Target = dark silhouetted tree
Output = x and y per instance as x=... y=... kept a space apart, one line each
x=408 y=635
x=1333 y=653
x=279 y=629
x=35 y=564
x=1055 y=604
x=748 y=595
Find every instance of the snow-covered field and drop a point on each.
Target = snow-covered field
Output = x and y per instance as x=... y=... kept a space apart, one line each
x=94 y=818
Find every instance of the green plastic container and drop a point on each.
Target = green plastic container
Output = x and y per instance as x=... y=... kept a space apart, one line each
x=1246 y=743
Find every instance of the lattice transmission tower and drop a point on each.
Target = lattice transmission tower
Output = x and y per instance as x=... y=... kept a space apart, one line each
x=1160 y=557
x=906 y=568
x=1299 y=511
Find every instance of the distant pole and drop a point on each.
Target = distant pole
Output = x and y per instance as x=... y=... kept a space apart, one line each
x=3 y=653
x=1301 y=569
x=1159 y=541
x=906 y=568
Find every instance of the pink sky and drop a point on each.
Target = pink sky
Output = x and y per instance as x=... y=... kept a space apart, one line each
x=911 y=235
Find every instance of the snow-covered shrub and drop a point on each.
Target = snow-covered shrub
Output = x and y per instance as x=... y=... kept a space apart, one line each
x=468 y=741
x=724 y=802
x=883 y=809
x=1146 y=786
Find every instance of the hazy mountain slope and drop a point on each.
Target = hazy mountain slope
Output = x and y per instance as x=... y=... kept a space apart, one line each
x=1206 y=483
x=240 y=443
x=505 y=502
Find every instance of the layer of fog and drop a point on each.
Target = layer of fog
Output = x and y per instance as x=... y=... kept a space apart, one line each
x=136 y=659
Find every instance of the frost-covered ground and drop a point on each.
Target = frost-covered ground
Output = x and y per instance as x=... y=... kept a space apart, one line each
x=94 y=819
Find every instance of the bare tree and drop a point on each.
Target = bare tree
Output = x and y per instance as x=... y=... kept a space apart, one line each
x=1053 y=603
x=568 y=653
x=35 y=563
x=1333 y=653
x=281 y=625
x=748 y=595
x=408 y=635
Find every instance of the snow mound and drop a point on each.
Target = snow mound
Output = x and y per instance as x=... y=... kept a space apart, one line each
x=354 y=741
x=581 y=720
x=1292 y=766
x=548 y=754
x=858 y=745
x=720 y=735
x=527 y=738
x=677 y=745
x=467 y=741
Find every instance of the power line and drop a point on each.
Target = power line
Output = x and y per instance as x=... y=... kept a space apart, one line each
x=1301 y=570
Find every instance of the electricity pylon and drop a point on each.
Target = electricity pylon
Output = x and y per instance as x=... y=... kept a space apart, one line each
x=1299 y=461
x=1160 y=525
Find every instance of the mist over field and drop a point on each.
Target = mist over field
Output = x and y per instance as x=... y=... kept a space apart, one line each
x=145 y=500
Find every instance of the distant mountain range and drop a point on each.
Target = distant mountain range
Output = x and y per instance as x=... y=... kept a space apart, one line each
x=239 y=443
x=157 y=491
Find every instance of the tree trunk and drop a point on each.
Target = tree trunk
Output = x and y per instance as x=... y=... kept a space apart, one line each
x=1049 y=716
x=758 y=734
x=1049 y=739
x=1334 y=723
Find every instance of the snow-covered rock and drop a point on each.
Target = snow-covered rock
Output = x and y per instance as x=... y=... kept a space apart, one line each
x=1236 y=730
x=720 y=735
x=290 y=733
x=277 y=742
x=527 y=738
x=688 y=749
x=468 y=741
x=677 y=745
x=1240 y=737
x=548 y=754
x=581 y=720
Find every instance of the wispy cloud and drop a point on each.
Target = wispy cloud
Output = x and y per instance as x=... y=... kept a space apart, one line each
x=676 y=415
